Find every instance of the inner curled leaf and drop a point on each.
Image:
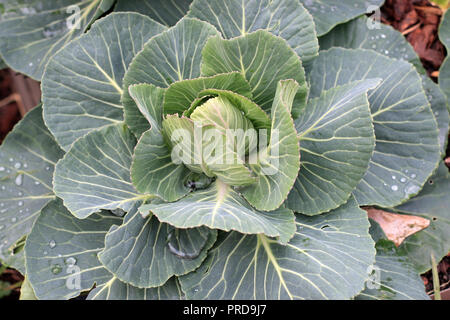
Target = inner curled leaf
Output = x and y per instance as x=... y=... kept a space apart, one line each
x=215 y=141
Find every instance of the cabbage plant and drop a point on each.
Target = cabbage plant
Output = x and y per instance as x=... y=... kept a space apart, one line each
x=214 y=149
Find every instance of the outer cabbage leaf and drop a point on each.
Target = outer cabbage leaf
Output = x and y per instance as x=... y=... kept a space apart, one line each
x=62 y=259
x=278 y=164
x=31 y=31
x=117 y=290
x=146 y=253
x=95 y=173
x=263 y=59
x=285 y=18
x=61 y=252
x=336 y=143
x=407 y=147
x=432 y=203
x=393 y=276
x=328 y=258
x=221 y=207
x=171 y=56
x=27 y=159
x=328 y=14
x=166 y=12
x=82 y=85
x=388 y=41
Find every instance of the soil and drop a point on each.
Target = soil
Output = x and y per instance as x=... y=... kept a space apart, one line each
x=418 y=20
x=444 y=276
x=9 y=111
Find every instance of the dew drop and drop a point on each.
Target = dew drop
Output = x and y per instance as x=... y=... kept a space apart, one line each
x=394 y=188
x=2 y=169
x=17 y=165
x=413 y=175
x=20 y=203
x=19 y=180
x=13 y=220
x=52 y=244
x=56 y=269
x=412 y=189
x=37 y=183
x=394 y=177
x=403 y=180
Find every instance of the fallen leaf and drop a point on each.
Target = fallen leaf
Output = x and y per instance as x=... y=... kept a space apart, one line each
x=397 y=227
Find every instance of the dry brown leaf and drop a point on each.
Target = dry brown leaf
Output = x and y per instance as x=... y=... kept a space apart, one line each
x=397 y=227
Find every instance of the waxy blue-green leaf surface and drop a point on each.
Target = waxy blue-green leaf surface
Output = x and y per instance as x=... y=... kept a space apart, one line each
x=407 y=147
x=393 y=276
x=82 y=85
x=221 y=207
x=285 y=18
x=95 y=173
x=172 y=56
x=145 y=253
x=27 y=159
x=166 y=12
x=263 y=59
x=61 y=252
x=117 y=290
x=432 y=203
x=444 y=72
x=32 y=31
x=328 y=258
x=336 y=143
x=328 y=14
